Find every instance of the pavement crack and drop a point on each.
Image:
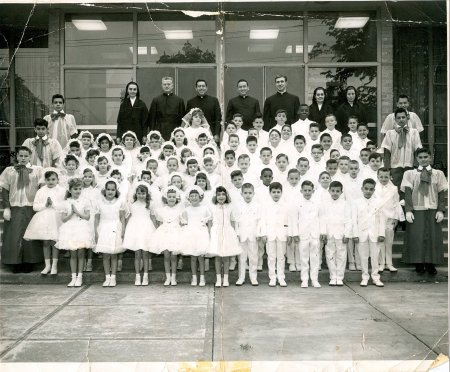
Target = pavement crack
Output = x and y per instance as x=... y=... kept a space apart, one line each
x=43 y=321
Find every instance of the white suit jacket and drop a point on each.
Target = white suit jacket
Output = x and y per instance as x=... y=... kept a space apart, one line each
x=248 y=218
x=336 y=218
x=306 y=222
x=368 y=219
x=275 y=220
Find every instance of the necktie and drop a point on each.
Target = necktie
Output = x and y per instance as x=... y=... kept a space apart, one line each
x=402 y=131
x=39 y=143
x=57 y=115
x=24 y=176
x=425 y=180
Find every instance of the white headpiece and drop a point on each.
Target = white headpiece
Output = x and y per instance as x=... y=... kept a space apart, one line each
x=101 y=135
x=171 y=189
x=194 y=188
x=109 y=180
x=154 y=132
x=84 y=133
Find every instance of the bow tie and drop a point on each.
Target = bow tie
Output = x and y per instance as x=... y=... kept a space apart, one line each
x=402 y=131
x=24 y=175
x=39 y=143
x=57 y=115
x=425 y=180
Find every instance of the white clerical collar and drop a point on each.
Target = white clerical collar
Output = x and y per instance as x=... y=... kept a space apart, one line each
x=45 y=138
x=420 y=168
x=132 y=101
x=58 y=112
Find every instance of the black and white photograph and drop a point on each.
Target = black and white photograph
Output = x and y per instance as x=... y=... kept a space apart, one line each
x=224 y=186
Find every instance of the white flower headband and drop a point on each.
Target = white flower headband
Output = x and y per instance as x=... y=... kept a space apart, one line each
x=101 y=135
x=84 y=133
x=194 y=188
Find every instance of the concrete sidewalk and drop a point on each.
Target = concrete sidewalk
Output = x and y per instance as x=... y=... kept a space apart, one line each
x=53 y=323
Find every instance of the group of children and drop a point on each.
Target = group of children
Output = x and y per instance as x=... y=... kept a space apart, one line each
x=291 y=192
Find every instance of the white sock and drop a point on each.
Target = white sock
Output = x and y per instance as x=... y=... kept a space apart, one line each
x=168 y=276
x=74 y=275
x=47 y=262
x=80 y=275
x=145 y=275
x=55 y=262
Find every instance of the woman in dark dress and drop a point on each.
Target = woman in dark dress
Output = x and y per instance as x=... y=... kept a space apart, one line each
x=351 y=107
x=133 y=113
x=320 y=108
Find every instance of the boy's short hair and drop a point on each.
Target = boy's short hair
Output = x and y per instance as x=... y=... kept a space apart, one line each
x=371 y=143
x=230 y=152
x=317 y=146
x=266 y=170
x=374 y=155
x=275 y=186
x=383 y=169
x=323 y=135
x=329 y=115
x=307 y=183
x=322 y=173
x=281 y=155
x=353 y=117
x=40 y=123
x=364 y=149
x=24 y=148
x=238 y=115
x=400 y=110
x=144 y=149
x=233 y=135
x=344 y=157
x=354 y=162
x=280 y=111
x=236 y=173
x=202 y=135
x=369 y=181
x=303 y=105
x=208 y=159
x=58 y=96
x=274 y=130
x=243 y=156
x=422 y=150
x=302 y=159
x=74 y=143
x=330 y=162
x=293 y=170
x=334 y=150
x=247 y=185
x=265 y=149
x=300 y=137
x=402 y=96
x=287 y=126
x=251 y=139
x=346 y=135
x=257 y=116
x=50 y=173
x=92 y=152
x=314 y=125
x=336 y=184
x=362 y=125
x=227 y=124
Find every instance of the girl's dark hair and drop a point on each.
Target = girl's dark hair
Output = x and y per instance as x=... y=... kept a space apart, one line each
x=71 y=157
x=351 y=87
x=91 y=152
x=221 y=189
x=146 y=172
x=93 y=175
x=126 y=89
x=147 y=198
x=115 y=172
x=185 y=141
x=166 y=146
x=50 y=173
x=101 y=158
x=99 y=140
x=189 y=162
x=73 y=182
x=74 y=143
x=183 y=151
x=315 y=91
x=203 y=176
x=115 y=185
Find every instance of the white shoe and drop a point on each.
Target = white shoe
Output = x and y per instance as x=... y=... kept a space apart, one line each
x=316 y=285
x=282 y=283
x=202 y=282
x=54 y=270
x=46 y=270
x=259 y=268
x=378 y=283
x=304 y=284
x=332 y=282
x=107 y=281
x=240 y=282
x=218 y=281
x=72 y=282
x=137 y=281
x=194 y=280
x=352 y=267
x=292 y=268
x=173 y=281
x=145 y=280
x=254 y=282
x=225 y=282
x=298 y=268
x=272 y=283
x=364 y=283
x=112 y=282
x=392 y=269
x=339 y=282
x=167 y=282
x=79 y=281
x=119 y=265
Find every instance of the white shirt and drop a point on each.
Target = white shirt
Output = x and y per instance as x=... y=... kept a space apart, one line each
x=336 y=218
x=367 y=219
x=335 y=137
x=301 y=127
x=413 y=122
x=306 y=220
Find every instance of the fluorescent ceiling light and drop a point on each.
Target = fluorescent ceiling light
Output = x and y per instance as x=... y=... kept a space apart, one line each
x=178 y=34
x=298 y=49
x=351 y=22
x=260 y=48
x=89 y=24
x=153 y=50
x=141 y=50
x=264 y=34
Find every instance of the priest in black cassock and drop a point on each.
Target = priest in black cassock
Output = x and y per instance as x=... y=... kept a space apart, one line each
x=243 y=104
x=209 y=105
x=280 y=100
x=166 y=110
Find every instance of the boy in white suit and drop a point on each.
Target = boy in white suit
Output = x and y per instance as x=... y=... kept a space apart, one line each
x=274 y=231
x=335 y=230
x=247 y=228
x=368 y=229
x=306 y=231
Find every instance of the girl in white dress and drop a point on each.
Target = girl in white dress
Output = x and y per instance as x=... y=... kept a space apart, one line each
x=70 y=170
x=179 y=139
x=192 y=168
x=75 y=234
x=139 y=230
x=109 y=229
x=154 y=141
x=168 y=237
x=224 y=241
x=105 y=143
x=87 y=141
x=102 y=173
x=131 y=147
x=45 y=223
x=197 y=220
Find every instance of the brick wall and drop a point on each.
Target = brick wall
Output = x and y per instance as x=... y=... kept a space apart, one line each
x=53 y=51
x=387 y=79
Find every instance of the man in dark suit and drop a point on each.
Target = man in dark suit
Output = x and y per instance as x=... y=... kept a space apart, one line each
x=281 y=100
x=243 y=104
x=166 y=110
x=209 y=105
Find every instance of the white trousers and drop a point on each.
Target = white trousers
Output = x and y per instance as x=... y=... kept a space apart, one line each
x=369 y=249
x=250 y=251
x=336 y=254
x=386 y=246
x=293 y=254
x=353 y=254
x=309 y=254
x=261 y=250
x=276 y=251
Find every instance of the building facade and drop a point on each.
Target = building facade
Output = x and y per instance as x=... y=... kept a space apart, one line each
x=89 y=53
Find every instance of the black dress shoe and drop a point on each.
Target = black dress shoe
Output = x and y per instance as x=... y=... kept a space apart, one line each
x=420 y=268
x=27 y=268
x=431 y=269
x=16 y=269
